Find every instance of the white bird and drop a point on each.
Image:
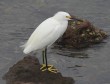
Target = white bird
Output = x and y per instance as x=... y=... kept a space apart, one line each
x=46 y=34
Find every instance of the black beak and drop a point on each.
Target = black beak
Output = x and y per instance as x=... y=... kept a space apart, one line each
x=76 y=19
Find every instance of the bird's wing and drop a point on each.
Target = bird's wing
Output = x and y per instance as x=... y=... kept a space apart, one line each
x=42 y=31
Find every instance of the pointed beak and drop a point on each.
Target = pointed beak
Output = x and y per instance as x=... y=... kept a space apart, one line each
x=76 y=19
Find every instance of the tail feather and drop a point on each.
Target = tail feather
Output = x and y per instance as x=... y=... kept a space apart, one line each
x=27 y=49
x=23 y=45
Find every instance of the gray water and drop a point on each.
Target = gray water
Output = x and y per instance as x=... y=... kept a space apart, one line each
x=19 y=18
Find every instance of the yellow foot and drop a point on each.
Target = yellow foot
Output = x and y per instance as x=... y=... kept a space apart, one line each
x=50 y=68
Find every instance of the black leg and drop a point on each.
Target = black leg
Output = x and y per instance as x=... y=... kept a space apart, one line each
x=46 y=58
x=43 y=56
x=45 y=64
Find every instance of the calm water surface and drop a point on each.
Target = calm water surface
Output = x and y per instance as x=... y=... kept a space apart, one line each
x=19 y=18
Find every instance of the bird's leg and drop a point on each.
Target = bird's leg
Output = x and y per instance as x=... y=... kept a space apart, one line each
x=49 y=67
x=43 y=68
x=44 y=56
x=43 y=60
x=45 y=65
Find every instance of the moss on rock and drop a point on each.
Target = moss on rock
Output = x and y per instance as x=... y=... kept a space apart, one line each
x=81 y=34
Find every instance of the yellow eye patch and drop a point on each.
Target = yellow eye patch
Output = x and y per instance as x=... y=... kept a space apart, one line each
x=68 y=17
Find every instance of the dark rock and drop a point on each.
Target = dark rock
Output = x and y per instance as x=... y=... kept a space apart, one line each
x=81 y=34
x=27 y=71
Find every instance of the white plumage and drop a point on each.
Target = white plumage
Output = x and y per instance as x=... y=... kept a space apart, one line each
x=47 y=32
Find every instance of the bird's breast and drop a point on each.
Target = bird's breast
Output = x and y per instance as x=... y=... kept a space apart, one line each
x=63 y=27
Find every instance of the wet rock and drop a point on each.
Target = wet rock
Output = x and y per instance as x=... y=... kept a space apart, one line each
x=27 y=71
x=81 y=34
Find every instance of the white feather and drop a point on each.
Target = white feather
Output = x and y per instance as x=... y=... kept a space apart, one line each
x=46 y=33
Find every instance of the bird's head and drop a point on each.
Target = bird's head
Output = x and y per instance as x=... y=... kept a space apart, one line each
x=65 y=16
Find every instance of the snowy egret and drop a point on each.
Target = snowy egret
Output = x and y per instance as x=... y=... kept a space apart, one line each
x=46 y=34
